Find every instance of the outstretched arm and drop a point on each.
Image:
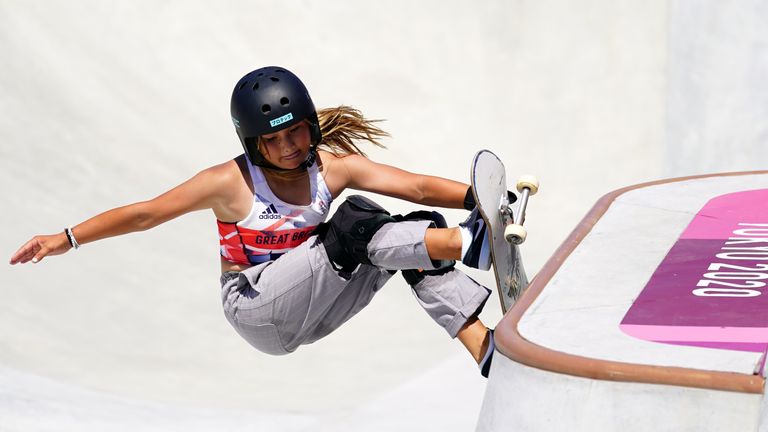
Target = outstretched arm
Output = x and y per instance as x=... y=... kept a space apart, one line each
x=200 y=192
x=364 y=174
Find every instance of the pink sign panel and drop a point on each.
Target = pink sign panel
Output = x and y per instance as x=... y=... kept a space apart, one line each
x=710 y=289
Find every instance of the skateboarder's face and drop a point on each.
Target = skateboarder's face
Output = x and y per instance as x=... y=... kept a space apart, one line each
x=287 y=148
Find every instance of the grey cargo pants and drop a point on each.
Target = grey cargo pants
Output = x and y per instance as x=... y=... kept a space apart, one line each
x=299 y=298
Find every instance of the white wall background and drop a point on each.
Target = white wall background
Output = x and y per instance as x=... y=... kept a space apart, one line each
x=107 y=103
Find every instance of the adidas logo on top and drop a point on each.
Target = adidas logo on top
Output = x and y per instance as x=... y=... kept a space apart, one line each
x=270 y=213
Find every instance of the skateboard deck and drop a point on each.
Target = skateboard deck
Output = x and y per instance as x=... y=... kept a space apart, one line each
x=489 y=187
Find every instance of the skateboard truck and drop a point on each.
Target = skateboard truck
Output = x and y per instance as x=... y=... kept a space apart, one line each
x=515 y=233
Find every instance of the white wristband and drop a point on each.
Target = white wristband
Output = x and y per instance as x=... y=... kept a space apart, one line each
x=71 y=238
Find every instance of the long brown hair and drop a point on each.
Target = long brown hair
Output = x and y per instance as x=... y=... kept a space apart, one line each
x=341 y=127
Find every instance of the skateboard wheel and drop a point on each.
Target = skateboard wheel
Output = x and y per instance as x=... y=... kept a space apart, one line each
x=515 y=234
x=528 y=181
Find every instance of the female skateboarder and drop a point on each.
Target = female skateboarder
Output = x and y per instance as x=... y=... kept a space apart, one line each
x=288 y=277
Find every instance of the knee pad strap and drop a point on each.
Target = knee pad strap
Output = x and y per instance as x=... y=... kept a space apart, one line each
x=412 y=277
x=438 y=221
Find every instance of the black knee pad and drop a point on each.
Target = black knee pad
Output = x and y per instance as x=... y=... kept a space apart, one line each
x=347 y=234
x=412 y=277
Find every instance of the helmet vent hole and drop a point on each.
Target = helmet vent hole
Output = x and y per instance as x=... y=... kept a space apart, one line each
x=256 y=86
x=266 y=108
x=242 y=86
x=274 y=79
x=279 y=71
x=284 y=101
x=260 y=74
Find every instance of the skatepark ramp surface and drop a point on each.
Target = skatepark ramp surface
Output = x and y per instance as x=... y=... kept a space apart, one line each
x=33 y=403
x=656 y=303
x=108 y=103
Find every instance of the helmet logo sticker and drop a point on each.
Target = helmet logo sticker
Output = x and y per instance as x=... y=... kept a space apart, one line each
x=236 y=122
x=281 y=120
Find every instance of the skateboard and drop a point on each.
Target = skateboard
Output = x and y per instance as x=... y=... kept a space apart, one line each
x=505 y=225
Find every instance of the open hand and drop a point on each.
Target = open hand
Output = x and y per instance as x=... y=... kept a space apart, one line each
x=40 y=247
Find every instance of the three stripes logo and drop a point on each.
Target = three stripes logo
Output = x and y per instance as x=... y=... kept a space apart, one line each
x=270 y=213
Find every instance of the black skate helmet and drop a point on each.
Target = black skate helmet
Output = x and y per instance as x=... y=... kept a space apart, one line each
x=268 y=100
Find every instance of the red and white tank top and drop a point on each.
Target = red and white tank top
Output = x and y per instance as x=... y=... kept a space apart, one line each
x=273 y=227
